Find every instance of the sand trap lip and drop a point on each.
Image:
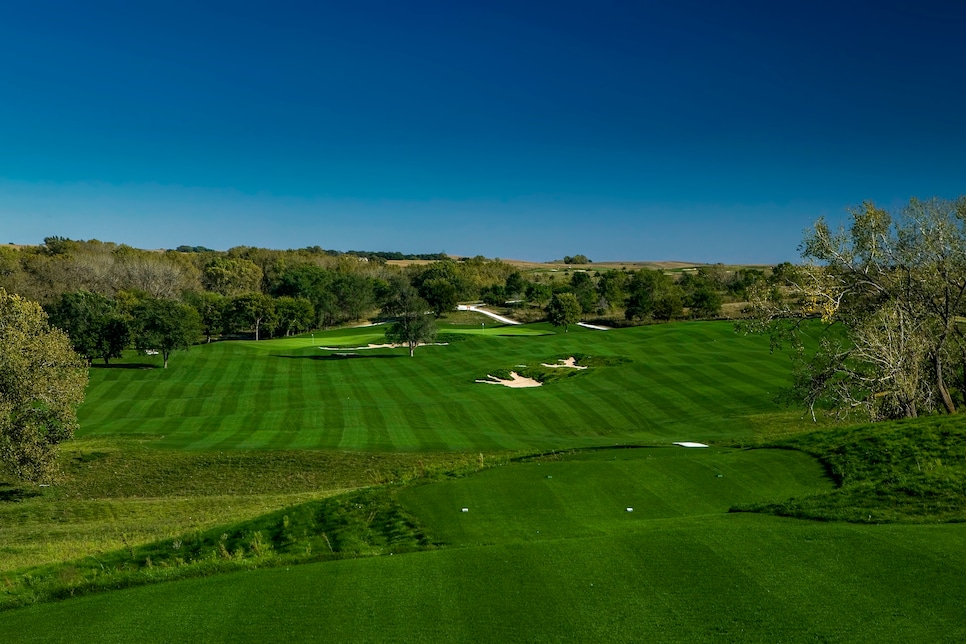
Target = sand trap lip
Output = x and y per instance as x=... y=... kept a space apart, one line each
x=383 y=346
x=564 y=363
x=516 y=381
x=689 y=444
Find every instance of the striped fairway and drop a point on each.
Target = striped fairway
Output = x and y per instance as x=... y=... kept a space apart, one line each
x=696 y=381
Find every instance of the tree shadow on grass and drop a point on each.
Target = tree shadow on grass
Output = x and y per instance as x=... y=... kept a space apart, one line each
x=127 y=365
x=348 y=355
x=11 y=494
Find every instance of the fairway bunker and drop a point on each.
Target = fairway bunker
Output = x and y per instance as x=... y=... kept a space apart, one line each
x=515 y=381
x=384 y=346
x=564 y=363
x=689 y=444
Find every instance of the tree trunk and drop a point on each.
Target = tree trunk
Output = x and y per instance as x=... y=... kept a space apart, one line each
x=165 y=355
x=911 y=411
x=964 y=376
x=412 y=349
x=940 y=383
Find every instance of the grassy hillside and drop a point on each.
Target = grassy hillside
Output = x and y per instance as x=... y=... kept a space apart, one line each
x=911 y=471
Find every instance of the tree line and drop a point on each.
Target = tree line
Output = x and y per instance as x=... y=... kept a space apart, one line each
x=100 y=291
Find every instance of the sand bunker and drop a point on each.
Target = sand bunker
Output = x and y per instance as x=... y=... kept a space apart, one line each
x=384 y=346
x=569 y=363
x=516 y=381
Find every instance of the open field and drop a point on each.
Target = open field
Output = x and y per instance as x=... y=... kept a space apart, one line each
x=282 y=454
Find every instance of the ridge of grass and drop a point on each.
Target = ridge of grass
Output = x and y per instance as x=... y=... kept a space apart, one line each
x=907 y=471
x=363 y=523
x=359 y=523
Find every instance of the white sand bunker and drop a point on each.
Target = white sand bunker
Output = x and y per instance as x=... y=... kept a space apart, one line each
x=515 y=381
x=384 y=346
x=568 y=363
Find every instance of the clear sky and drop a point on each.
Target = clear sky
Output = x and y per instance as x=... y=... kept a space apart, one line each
x=698 y=131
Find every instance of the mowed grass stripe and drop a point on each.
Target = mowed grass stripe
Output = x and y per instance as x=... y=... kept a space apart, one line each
x=438 y=406
x=383 y=400
x=409 y=426
x=612 y=396
x=721 y=389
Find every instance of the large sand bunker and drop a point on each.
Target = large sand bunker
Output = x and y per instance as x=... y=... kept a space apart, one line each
x=568 y=363
x=515 y=381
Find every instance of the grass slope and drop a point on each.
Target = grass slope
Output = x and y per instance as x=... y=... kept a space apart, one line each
x=910 y=471
x=677 y=568
x=680 y=382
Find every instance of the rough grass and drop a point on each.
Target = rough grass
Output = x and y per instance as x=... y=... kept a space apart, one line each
x=910 y=471
x=118 y=493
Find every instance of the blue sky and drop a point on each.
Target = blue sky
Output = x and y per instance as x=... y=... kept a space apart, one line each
x=698 y=131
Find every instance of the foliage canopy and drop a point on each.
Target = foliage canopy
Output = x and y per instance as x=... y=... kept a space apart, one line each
x=42 y=382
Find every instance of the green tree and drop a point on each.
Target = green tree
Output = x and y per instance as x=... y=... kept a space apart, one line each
x=494 y=295
x=211 y=309
x=95 y=327
x=412 y=324
x=230 y=277
x=515 y=285
x=583 y=287
x=612 y=287
x=354 y=296
x=563 y=310
x=42 y=382
x=252 y=312
x=165 y=326
x=653 y=295
x=538 y=293
x=704 y=302
x=440 y=294
x=295 y=314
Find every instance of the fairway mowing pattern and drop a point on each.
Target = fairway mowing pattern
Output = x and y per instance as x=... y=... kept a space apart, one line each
x=690 y=381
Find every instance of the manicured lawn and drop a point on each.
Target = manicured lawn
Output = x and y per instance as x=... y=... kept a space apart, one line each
x=681 y=382
x=678 y=568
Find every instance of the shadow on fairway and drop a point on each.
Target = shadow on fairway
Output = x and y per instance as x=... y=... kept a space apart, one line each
x=344 y=356
x=9 y=493
x=131 y=365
